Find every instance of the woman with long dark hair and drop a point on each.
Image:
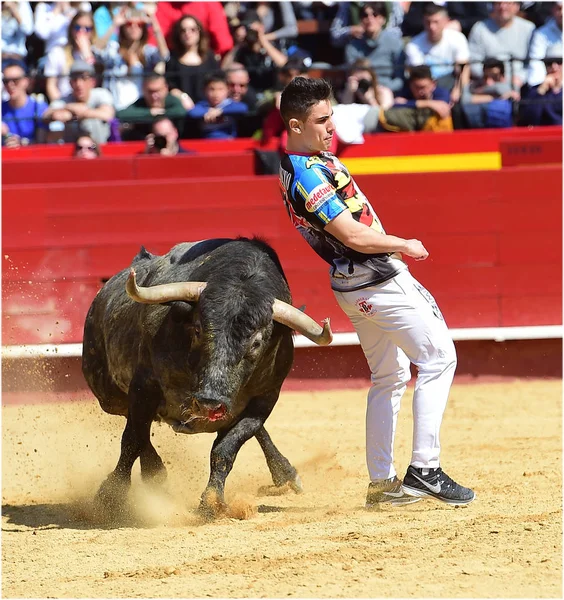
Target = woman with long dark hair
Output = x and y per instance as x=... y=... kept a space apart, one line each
x=130 y=57
x=190 y=59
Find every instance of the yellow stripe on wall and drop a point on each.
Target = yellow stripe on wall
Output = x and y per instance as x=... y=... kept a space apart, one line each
x=430 y=163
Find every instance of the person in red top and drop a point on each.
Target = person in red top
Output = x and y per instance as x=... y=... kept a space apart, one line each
x=210 y=14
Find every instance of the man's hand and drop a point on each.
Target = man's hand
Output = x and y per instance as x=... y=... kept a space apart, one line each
x=356 y=31
x=511 y=95
x=400 y=100
x=213 y=115
x=441 y=108
x=415 y=249
x=78 y=109
x=550 y=83
x=352 y=83
x=157 y=110
x=455 y=95
x=62 y=114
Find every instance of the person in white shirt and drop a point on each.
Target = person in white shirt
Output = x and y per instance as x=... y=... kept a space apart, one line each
x=441 y=48
x=546 y=41
x=504 y=36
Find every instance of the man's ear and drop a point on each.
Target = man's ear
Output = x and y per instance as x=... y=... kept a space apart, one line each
x=295 y=125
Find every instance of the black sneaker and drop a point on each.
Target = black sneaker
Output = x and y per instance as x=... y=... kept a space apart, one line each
x=435 y=483
x=387 y=491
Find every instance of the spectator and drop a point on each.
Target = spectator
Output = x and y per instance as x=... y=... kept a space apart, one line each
x=191 y=58
x=21 y=114
x=444 y=50
x=87 y=108
x=462 y=16
x=427 y=104
x=52 y=21
x=542 y=104
x=363 y=87
x=360 y=103
x=104 y=18
x=85 y=147
x=163 y=139
x=127 y=60
x=137 y=119
x=273 y=125
x=258 y=55
x=211 y=16
x=504 y=36
x=238 y=81
x=216 y=113
x=382 y=47
x=488 y=101
x=346 y=25
x=17 y=24
x=59 y=59
x=546 y=41
x=279 y=21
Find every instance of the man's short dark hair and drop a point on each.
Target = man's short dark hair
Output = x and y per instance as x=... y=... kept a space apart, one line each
x=378 y=8
x=494 y=63
x=431 y=9
x=300 y=95
x=14 y=62
x=294 y=64
x=420 y=72
x=153 y=77
x=160 y=118
x=215 y=77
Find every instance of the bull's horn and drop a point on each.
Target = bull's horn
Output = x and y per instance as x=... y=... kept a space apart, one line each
x=188 y=291
x=295 y=319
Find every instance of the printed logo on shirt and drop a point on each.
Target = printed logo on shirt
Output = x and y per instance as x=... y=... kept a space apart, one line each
x=318 y=196
x=365 y=307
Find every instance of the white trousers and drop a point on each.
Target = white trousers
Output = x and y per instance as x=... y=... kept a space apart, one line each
x=398 y=322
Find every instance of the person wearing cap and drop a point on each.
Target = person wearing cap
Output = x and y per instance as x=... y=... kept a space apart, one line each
x=542 y=104
x=546 y=41
x=21 y=114
x=87 y=107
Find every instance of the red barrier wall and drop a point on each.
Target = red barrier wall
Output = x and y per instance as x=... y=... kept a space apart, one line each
x=494 y=239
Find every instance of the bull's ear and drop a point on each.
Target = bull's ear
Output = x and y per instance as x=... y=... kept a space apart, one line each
x=180 y=311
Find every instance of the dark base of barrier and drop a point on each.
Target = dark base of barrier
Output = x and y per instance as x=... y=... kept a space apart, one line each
x=314 y=368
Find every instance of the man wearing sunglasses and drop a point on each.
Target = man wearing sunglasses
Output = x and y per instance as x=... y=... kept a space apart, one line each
x=21 y=114
x=87 y=106
x=542 y=105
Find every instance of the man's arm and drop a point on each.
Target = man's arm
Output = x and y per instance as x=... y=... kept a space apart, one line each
x=362 y=238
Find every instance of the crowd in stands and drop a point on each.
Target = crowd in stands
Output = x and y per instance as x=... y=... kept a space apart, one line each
x=97 y=72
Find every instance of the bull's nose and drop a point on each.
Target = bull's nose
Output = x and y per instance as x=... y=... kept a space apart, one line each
x=210 y=408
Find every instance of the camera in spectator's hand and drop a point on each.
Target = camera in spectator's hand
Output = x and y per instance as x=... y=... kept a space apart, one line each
x=159 y=142
x=251 y=35
x=364 y=85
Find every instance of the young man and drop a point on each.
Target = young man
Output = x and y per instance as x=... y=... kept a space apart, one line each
x=395 y=317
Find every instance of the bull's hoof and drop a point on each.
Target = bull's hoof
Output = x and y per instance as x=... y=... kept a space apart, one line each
x=211 y=506
x=110 y=502
x=279 y=490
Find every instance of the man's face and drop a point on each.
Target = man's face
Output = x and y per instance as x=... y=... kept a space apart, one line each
x=167 y=130
x=492 y=75
x=554 y=68
x=372 y=23
x=15 y=81
x=155 y=91
x=435 y=25
x=238 y=84
x=317 y=130
x=504 y=12
x=422 y=89
x=216 y=92
x=81 y=85
x=557 y=14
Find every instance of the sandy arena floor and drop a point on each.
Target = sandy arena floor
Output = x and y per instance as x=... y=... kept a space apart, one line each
x=503 y=439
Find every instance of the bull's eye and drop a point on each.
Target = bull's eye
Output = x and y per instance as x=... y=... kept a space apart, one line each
x=255 y=344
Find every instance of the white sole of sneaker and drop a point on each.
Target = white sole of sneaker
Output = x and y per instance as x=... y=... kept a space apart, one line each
x=424 y=494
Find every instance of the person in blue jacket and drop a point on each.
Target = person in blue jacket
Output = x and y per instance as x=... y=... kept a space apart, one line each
x=542 y=104
x=218 y=112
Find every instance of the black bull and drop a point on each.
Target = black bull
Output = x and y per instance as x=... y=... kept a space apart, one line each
x=204 y=346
